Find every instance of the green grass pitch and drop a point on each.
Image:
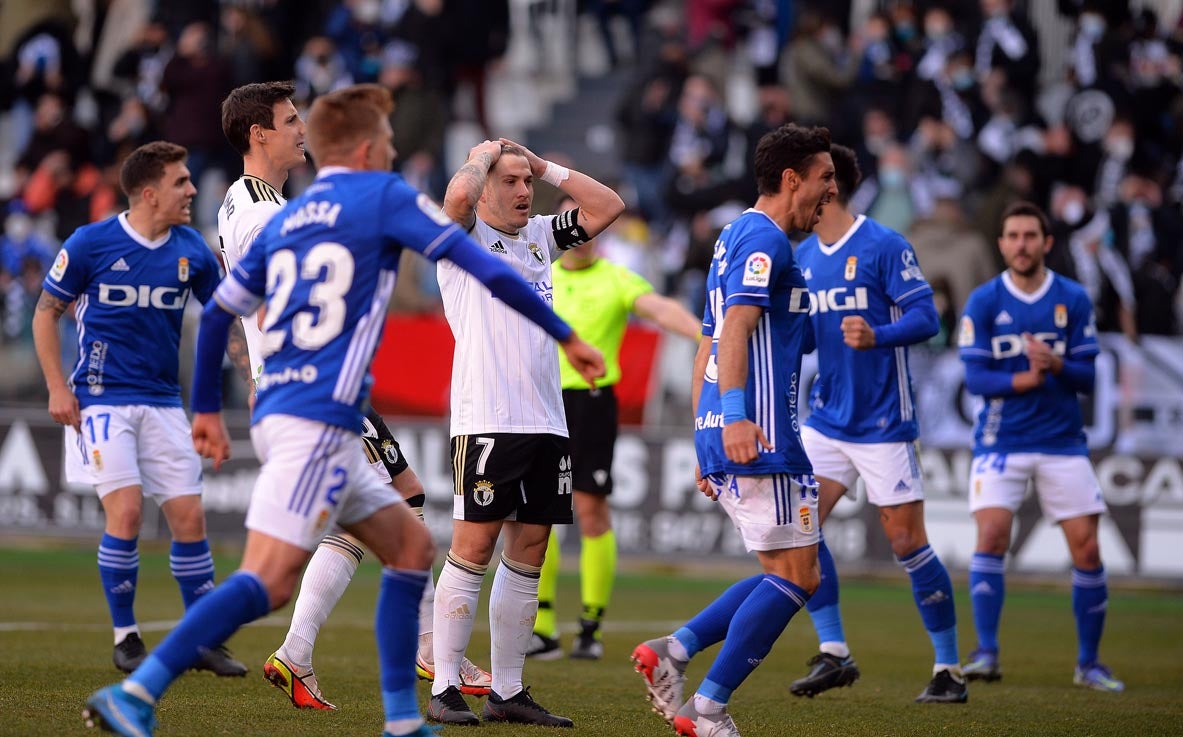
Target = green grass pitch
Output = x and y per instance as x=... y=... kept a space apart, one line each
x=55 y=648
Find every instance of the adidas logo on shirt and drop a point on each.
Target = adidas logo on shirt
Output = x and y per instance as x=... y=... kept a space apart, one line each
x=497 y=248
x=120 y=265
x=1003 y=318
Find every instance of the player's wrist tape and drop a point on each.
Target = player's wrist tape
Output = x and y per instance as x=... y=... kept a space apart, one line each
x=554 y=174
x=734 y=409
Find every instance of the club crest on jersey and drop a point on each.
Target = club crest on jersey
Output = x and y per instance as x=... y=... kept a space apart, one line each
x=966 y=337
x=482 y=492
x=536 y=252
x=59 y=265
x=183 y=269
x=851 y=268
x=1061 y=317
x=757 y=272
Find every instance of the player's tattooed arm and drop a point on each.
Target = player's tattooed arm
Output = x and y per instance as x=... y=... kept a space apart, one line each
x=468 y=182
x=239 y=356
x=49 y=303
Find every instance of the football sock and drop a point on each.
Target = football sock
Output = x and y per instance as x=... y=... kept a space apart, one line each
x=710 y=625
x=325 y=579
x=398 y=607
x=427 y=621
x=1090 y=596
x=823 y=606
x=548 y=587
x=758 y=621
x=597 y=574
x=193 y=567
x=212 y=619
x=456 y=594
x=119 y=567
x=933 y=592
x=987 y=590
x=513 y=604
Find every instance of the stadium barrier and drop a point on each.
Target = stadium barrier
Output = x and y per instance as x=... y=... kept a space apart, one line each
x=1135 y=423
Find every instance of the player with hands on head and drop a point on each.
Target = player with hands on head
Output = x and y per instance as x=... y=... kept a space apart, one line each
x=511 y=459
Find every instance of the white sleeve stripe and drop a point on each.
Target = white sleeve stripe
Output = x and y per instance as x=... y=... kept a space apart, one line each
x=237 y=298
x=440 y=239
x=1086 y=347
x=978 y=352
x=59 y=290
x=747 y=294
x=909 y=293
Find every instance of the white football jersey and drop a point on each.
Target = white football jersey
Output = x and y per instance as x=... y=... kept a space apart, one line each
x=505 y=371
x=250 y=203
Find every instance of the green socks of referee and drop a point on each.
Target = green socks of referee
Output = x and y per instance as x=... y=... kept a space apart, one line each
x=597 y=574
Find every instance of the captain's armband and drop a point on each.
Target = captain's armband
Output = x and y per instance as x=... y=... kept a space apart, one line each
x=568 y=232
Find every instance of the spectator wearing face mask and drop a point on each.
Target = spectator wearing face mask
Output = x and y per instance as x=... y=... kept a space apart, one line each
x=1147 y=234
x=1008 y=42
x=819 y=68
x=1117 y=148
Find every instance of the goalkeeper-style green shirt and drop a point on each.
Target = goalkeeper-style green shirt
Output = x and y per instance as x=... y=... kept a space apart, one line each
x=596 y=302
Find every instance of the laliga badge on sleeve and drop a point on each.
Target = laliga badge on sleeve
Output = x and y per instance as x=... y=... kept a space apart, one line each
x=59 y=265
x=758 y=270
x=966 y=338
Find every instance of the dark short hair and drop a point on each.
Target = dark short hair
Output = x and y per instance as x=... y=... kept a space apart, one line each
x=249 y=105
x=339 y=120
x=145 y=165
x=1022 y=208
x=788 y=147
x=846 y=172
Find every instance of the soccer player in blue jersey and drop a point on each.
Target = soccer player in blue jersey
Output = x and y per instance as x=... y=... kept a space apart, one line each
x=327 y=265
x=130 y=277
x=868 y=302
x=1028 y=340
x=746 y=381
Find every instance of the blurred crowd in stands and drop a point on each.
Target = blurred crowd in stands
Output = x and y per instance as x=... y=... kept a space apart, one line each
x=951 y=106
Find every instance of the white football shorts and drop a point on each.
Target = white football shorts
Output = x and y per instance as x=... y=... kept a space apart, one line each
x=1066 y=485
x=134 y=445
x=890 y=471
x=770 y=512
x=314 y=476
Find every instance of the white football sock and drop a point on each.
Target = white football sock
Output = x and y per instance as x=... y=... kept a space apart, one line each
x=325 y=579
x=456 y=597
x=513 y=607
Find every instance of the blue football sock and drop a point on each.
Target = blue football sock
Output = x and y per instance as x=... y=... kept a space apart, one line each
x=987 y=591
x=397 y=632
x=710 y=625
x=754 y=629
x=208 y=623
x=1090 y=596
x=193 y=567
x=933 y=592
x=119 y=567
x=823 y=605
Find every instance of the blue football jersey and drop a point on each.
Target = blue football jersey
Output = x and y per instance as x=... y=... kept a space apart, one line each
x=131 y=295
x=326 y=264
x=861 y=396
x=1047 y=419
x=753 y=265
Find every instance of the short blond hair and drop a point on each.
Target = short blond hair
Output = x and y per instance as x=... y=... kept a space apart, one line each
x=340 y=120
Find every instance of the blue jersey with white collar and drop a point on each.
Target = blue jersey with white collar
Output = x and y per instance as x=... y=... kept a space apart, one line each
x=326 y=264
x=753 y=265
x=130 y=296
x=861 y=396
x=1060 y=313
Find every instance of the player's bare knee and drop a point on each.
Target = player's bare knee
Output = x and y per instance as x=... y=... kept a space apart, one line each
x=1086 y=554
x=993 y=539
x=124 y=523
x=905 y=541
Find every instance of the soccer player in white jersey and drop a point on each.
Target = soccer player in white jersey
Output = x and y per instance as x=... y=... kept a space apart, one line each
x=747 y=374
x=261 y=123
x=511 y=461
x=130 y=277
x=327 y=267
x=1028 y=340
x=868 y=302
